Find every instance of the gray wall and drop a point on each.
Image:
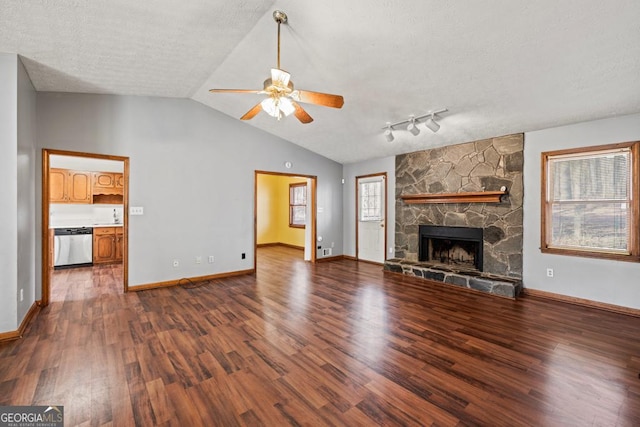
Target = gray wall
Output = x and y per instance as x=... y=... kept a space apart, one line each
x=8 y=191
x=192 y=169
x=350 y=172
x=613 y=282
x=26 y=217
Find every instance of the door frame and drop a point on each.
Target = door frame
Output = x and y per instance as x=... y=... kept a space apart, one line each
x=46 y=153
x=357 y=226
x=311 y=199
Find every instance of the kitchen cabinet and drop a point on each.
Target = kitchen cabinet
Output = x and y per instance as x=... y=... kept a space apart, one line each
x=69 y=186
x=107 y=187
x=79 y=187
x=58 y=179
x=119 y=243
x=120 y=181
x=108 y=244
x=107 y=182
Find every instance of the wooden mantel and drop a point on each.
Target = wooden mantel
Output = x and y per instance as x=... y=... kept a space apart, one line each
x=468 y=197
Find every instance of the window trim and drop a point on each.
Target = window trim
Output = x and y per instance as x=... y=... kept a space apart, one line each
x=292 y=205
x=634 y=220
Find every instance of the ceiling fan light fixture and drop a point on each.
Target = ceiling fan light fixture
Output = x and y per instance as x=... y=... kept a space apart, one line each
x=432 y=125
x=411 y=127
x=277 y=107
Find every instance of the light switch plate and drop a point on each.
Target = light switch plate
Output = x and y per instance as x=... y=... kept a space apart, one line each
x=136 y=210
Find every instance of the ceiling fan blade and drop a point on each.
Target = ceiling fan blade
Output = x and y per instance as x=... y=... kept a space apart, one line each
x=235 y=91
x=301 y=114
x=252 y=112
x=318 y=98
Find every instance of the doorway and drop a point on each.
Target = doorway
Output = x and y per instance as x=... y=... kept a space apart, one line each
x=371 y=217
x=76 y=193
x=284 y=212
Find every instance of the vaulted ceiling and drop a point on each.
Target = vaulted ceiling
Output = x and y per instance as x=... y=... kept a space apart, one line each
x=499 y=66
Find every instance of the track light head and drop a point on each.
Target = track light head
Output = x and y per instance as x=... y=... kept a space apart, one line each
x=432 y=125
x=388 y=133
x=411 y=127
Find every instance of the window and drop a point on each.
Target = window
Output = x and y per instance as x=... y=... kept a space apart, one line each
x=371 y=201
x=297 y=204
x=590 y=205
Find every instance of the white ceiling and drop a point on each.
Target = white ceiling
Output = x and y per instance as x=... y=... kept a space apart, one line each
x=499 y=66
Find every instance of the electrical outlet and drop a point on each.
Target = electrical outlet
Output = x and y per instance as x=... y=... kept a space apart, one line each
x=176 y=263
x=211 y=259
x=549 y=272
x=244 y=255
x=21 y=294
x=391 y=250
x=198 y=260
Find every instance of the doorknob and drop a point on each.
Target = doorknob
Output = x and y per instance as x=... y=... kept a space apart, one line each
x=382 y=225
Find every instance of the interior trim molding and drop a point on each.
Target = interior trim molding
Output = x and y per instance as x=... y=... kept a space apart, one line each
x=350 y=257
x=287 y=245
x=14 y=335
x=330 y=258
x=535 y=293
x=177 y=282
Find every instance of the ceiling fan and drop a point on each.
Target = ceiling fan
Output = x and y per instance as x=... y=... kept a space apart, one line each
x=282 y=98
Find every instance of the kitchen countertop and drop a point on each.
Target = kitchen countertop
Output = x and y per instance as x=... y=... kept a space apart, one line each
x=87 y=225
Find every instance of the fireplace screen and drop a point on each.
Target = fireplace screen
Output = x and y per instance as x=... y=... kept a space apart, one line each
x=459 y=247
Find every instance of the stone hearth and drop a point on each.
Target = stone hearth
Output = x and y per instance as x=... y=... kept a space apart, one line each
x=475 y=280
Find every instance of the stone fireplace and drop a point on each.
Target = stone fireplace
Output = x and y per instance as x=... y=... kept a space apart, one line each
x=459 y=247
x=494 y=262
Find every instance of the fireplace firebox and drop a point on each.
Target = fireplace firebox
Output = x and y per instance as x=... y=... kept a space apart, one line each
x=455 y=247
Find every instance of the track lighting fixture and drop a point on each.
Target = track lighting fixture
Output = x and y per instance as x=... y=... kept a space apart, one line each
x=388 y=133
x=432 y=125
x=412 y=124
x=411 y=127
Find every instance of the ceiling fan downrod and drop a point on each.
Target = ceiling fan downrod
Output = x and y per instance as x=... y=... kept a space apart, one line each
x=281 y=18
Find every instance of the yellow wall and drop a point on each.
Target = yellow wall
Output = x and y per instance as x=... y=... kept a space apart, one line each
x=273 y=211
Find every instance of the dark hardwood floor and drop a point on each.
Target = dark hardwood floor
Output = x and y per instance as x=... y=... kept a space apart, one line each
x=337 y=343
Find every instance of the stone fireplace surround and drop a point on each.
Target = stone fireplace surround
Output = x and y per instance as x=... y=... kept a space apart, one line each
x=486 y=165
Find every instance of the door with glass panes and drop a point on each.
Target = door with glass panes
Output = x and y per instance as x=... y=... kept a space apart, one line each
x=371 y=221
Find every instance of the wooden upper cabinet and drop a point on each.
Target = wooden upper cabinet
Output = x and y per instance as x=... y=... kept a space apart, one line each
x=69 y=186
x=108 y=187
x=79 y=187
x=58 y=179
x=107 y=183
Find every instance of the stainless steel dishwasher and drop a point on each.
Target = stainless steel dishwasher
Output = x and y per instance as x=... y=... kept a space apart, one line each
x=72 y=247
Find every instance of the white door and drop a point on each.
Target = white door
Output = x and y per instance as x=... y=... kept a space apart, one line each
x=371 y=221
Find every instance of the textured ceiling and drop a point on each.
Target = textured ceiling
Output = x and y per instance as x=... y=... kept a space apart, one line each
x=500 y=67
